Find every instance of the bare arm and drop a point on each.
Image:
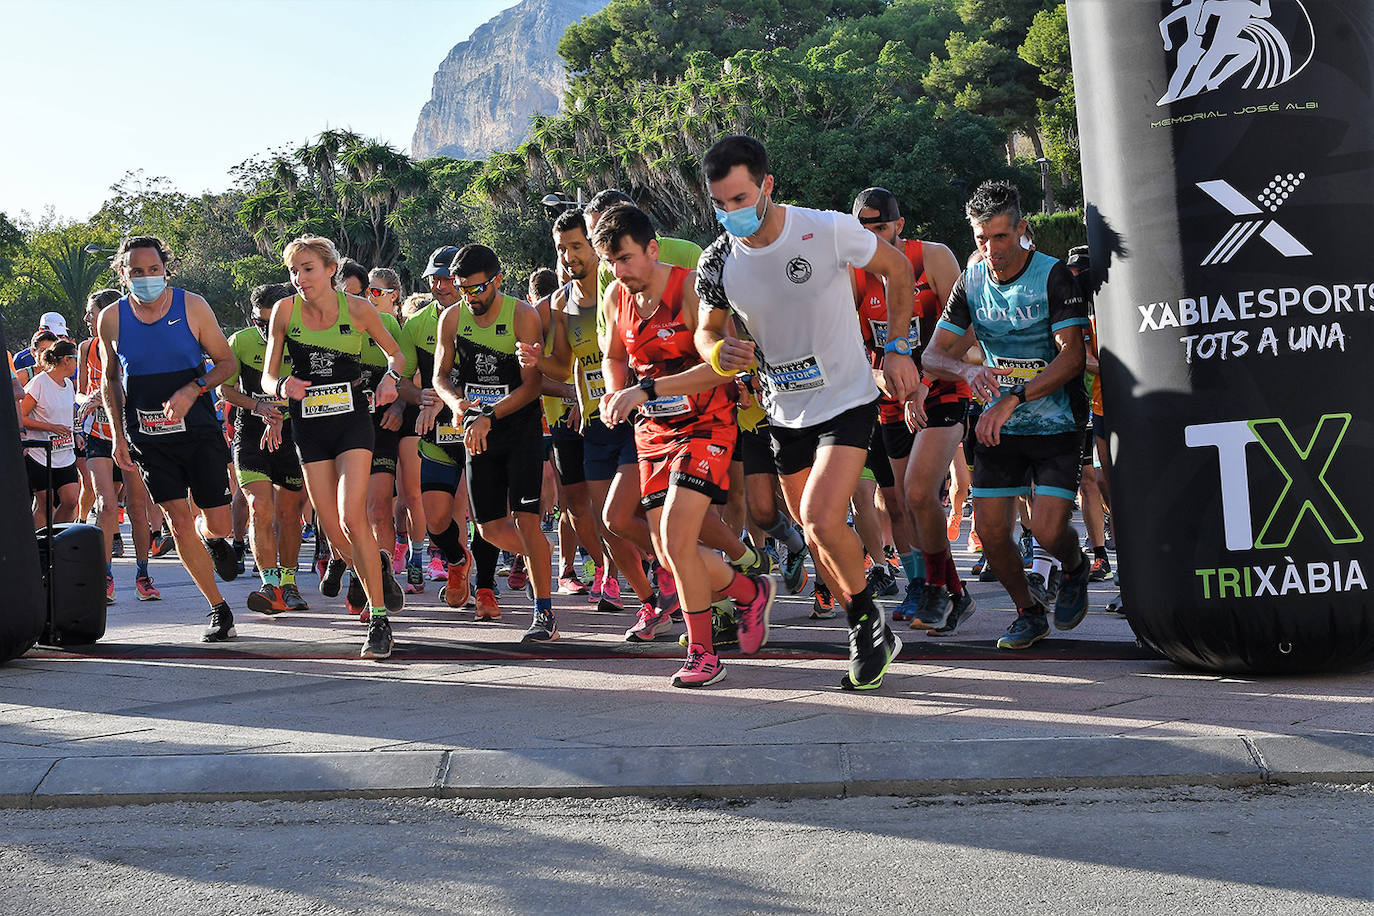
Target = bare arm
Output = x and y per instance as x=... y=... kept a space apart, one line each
x=445 y=352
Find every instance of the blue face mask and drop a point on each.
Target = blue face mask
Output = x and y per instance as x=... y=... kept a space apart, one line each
x=146 y=289
x=743 y=222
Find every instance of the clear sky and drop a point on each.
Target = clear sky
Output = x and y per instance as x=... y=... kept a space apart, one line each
x=186 y=89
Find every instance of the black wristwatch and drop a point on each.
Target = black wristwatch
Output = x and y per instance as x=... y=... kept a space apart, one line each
x=489 y=411
x=646 y=385
x=1020 y=392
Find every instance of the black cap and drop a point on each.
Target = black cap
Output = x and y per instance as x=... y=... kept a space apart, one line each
x=440 y=262
x=1078 y=258
x=880 y=199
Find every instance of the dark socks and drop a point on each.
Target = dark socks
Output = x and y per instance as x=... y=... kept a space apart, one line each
x=449 y=541
x=486 y=555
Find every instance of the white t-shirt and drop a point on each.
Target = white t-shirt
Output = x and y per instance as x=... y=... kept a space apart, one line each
x=795 y=300
x=56 y=404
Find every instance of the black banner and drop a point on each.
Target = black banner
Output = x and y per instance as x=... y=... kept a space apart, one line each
x=25 y=607
x=1228 y=166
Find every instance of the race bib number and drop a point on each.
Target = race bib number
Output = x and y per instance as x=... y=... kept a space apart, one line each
x=879 y=331
x=155 y=423
x=448 y=435
x=595 y=382
x=100 y=416
x=485 y=394
x=327 y=400
x=668 y=406
x=805 y=374
x=62 y=441
x=1022 y=370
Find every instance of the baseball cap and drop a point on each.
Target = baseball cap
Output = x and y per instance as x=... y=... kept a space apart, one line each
x=53 y=322
x=1078 y=258
x=880 y=199
x=440 y=262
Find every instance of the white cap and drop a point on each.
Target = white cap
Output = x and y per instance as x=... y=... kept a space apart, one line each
x=53 y=322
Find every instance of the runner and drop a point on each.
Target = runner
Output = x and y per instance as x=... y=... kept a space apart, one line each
x=323 y=332
x=442 y=456
x=684 y=435
x=103 y=475
x=1025 y=310
x=498 y=400
x=265 y=460
x=819 y=389
x=46 y=413
x=153 y=346
x=921 y=436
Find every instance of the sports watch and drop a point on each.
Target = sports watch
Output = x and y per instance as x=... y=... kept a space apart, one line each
x=1019 y=391
x=898 y=345
x=647 y=385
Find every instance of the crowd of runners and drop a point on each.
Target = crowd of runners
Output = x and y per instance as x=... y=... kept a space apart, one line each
x=697 y=425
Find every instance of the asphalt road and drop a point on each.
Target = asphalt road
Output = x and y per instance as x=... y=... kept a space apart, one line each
x=1178 y=851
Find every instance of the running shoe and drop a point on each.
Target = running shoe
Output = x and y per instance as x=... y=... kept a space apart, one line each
x=755 y=569
x=649 y=624
x=610 y=602
x=872 y=647
x=240 y=551
x=544 y=628
x=506 y=563
x=145 y=590
x=571 y=585
x=267 y=599
x=881 y=581
x=724 y=627
x=754 y=614
x=379 y=641
x=356 y=596
x=487 y=608
x=952 y=530
x=975 y=543
x=221 y=624
x=1045 y=593
x=910 y=603
x=1071 y=605
x=518 y=576
x=436 y=572
x=983 y=570
x=455 y=590
x=598 y=580
x=392 y=596
x=117 y=545
x=398 y=557
x=1116 y=606
x=332 y=580
x=963 y=609
x=701 y=669
x=770 y=550
x=822 y=603
x=1101 y=570
x=667 y=591
x=292 y=596
x=109 y=589
x=794 y=570
x=225 y=560
x=321 y=566
x=894 y=563
x=1027 y=550
x=933 y=608
x=162 y=544
x=415 y=578
x=1025 y=631
x=307 y=532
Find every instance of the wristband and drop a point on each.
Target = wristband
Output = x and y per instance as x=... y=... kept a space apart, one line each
x=200 y=383
x=714 y=357
x=281 y=384
x=392 y=373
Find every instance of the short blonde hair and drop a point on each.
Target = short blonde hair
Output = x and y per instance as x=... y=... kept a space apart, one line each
x=415 y=303
x=386 y=275
x=319 y=245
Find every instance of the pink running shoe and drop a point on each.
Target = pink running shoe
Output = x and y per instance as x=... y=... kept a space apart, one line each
x=701 y=669
x=597 y=580
x=650 y=623
x=145 y=589
x=398 y=558
x=667 y=589
x=571 y=585
x=753 y=615
x=610 y=596
x=109 y=589
x=437 y=572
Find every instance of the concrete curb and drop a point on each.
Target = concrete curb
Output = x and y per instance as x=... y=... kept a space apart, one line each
x=779 y=771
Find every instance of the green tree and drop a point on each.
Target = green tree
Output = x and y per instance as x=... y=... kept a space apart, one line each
x=11 y=246
x=1046 y=48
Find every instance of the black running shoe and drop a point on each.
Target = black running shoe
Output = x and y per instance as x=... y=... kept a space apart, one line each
x=1071 y=605
x=881 y=581
x=292 y=596
x=543 y=629
x=221 y=624
x=356 y=598
x=225 y=560
x=1044 y=593
x=963 y=609
x=932 y=612
x=872 y=647
x=379 y=642
x=392 y=596
x=332 y=581
x=1101 y=571
x=794 y=571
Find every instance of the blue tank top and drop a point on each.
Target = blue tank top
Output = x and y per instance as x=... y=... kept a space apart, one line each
x=157 y=359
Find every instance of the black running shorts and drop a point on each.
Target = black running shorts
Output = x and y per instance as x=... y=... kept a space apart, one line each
x=794 y=450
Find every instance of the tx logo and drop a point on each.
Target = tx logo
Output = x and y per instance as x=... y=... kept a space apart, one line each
x=1303 y=469
x=1251 y=219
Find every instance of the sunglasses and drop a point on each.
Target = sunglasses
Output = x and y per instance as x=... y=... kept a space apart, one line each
x=478 y=289
x=375 y=291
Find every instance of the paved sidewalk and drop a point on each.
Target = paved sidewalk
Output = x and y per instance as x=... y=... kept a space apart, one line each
x=289 y=711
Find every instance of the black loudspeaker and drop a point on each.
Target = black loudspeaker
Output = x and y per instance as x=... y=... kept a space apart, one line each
x=25 y=606
x=77 y=582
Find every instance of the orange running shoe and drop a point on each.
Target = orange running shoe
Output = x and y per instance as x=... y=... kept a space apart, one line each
x=974 y=542
x=956 y=520
x=487 y=608
x=456 y=590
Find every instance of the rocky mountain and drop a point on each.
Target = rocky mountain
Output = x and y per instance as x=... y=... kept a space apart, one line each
x=488 y=86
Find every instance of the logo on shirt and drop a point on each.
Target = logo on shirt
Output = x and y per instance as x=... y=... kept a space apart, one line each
x=715 y=451
x=799 y=270
x=501 y=330
x=321 y=364
x=665 y=333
